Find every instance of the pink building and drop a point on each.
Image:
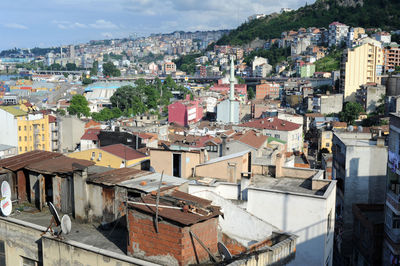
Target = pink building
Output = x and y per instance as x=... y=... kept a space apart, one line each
x=240 y=89
x=185 y=112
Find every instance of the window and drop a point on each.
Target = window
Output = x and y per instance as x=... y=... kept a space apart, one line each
x=42 y=137
x=26 y=138
x=20 y=148
x=277 y=136
x=20 y=138
x=19 y=128
x=93 y=156
x=2 y=253
x=329 y=223
x=396 y=221
x=29 y=262
x=327 y=144
x=42 y=127
x=26 y=148
x=99 y=156
x=25 y=128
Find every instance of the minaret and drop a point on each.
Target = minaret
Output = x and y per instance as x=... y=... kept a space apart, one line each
x=232 y=92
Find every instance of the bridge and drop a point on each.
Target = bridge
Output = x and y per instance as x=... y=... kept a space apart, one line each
x=57 y=72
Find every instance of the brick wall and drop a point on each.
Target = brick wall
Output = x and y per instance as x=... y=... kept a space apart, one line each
x=171 y=240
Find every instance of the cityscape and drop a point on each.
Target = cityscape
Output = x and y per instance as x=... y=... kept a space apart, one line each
x=271 y=137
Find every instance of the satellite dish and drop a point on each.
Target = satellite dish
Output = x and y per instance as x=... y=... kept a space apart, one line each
x=54 y=212
x=6 y=206
x=5 y=190
x=66 y=225
x=224 y=252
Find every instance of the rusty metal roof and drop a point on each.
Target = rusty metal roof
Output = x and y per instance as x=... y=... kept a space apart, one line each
x=61 y=164
x=20 y=161
x=115 y=176
x=192 y=209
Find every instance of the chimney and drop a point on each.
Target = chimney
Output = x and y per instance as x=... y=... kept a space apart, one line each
x=222 y=149
x=380 y=141
x=278 y=165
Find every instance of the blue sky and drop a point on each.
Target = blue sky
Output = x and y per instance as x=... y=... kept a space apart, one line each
x=44 y=23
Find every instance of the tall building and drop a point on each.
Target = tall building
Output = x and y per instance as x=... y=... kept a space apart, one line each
x=27 y=131
x=361 y=65
x=392 y=57
x=72 y=51
x=337 y=33
x=359 y=166
x=269 y=90
x=391 y=243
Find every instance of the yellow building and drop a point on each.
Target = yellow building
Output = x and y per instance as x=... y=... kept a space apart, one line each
x=325 y=140
x=361 y=65
x=26 y=131
x=358 y=32
x=113 y=156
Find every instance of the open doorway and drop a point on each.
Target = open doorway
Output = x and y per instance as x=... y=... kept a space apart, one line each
x=176 y=165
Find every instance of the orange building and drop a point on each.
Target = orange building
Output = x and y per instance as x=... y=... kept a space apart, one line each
x=268 y=90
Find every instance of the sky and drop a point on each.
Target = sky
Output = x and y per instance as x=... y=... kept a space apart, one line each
x=46 y=23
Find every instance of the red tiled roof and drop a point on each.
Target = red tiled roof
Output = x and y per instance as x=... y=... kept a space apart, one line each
x=92 y=124
x=52 y=119
x=250 y=138
x=271 y=123
x=122 y=150
x=91 y=134
x=314 y=115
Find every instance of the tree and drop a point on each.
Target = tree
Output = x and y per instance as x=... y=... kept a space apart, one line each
x=93 y=70
x=71 y=66
x=79 y=106
x=250 y=93
x=110 y=70
x=60 y=112
x=350 y=112
x=240 y=80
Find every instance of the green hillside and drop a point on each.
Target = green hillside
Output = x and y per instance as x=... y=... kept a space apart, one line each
x=384 y=14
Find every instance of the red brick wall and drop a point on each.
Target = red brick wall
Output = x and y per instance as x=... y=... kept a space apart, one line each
x=232 y=245
x=171 y=240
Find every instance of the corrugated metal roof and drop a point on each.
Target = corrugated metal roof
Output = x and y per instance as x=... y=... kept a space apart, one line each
x=116 y=176
x=20 y=161
x=61 y=164
x=196 y=209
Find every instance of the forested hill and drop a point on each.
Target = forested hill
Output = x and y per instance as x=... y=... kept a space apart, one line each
x=384 y=14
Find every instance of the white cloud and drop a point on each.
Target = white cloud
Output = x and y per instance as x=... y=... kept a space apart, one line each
x=15 y=26
x=107 y=35
x=103 y=24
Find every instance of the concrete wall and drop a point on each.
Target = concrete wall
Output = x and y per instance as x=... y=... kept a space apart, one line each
x=9 y=131
x=331 y=103
x=304 y=216
x=71 y=130
x=223 y=111
x=229 y=170
x=163 y=161
x=95 y=202
x=238 y=223
x=225 y=190
x=24 y=240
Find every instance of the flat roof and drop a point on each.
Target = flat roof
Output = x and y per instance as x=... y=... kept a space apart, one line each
x=87 y=233
x=286 y=184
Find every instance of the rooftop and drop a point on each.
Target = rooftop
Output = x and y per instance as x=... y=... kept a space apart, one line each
x=61 y=164
x=286 y=184
x=91 y=134
x=14 y=110
x=20 y=161
x=178 y=207
x=271 y=123
x=123 y=151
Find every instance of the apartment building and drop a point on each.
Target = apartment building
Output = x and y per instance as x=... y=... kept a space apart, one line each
x=361 y=65
x=27 y=131
x=391 y=243
x=370 y=95
x=359 y=166
x=268 y=90
x=337 y=33
x=391 y=57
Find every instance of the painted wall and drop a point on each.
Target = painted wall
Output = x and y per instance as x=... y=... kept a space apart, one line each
x=9 y=129
x=105 y=159
x=304 y=216
x=229 y=170
x=33 y=133
x=71 y=130
x=223 y=111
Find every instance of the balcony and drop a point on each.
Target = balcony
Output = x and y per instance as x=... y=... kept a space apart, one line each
x=393 y=201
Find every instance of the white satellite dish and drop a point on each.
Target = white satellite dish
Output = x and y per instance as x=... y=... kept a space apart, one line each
x=6 y=206
x=5 y=190
x=66 y=225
